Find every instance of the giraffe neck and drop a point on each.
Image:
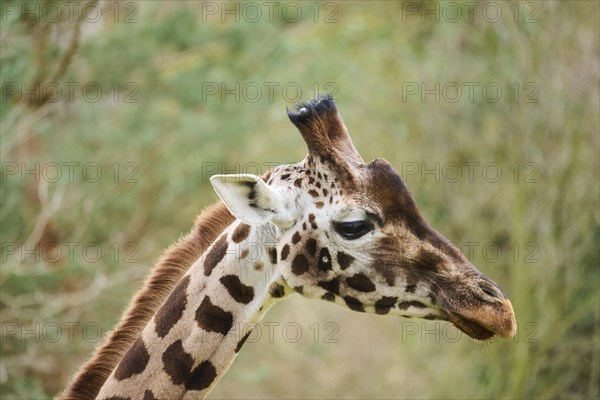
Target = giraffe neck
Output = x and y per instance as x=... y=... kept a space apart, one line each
x=196 y=334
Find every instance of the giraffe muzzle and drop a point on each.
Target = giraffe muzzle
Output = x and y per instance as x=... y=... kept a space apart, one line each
x=485 y=314
x=483 y=324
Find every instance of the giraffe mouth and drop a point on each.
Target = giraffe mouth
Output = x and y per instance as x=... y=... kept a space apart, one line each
x=470 y=327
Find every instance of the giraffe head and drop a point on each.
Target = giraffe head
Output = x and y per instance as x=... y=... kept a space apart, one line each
x=350 y=233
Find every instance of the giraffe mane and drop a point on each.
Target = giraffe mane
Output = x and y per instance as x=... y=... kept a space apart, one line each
x=169 y=269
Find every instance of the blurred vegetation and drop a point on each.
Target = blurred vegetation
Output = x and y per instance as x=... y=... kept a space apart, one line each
x=158 y=131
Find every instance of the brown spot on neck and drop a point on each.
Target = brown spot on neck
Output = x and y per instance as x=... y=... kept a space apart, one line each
x=177 y=363
x=285 y=251
x=170 y=312
x=273 y=255
x=245 y=253
x=296 y=238
x=202 y=376
x=240 y=233
x=215 y=255
x=241 y=293
x=213 y=318
x=134 y=362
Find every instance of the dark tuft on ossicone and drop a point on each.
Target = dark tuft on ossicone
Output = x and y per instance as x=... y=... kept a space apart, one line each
x=311 y=110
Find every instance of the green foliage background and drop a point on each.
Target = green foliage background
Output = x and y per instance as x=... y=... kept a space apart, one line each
x=155 y=155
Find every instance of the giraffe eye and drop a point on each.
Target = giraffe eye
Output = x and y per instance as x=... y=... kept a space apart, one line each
x=353 y=229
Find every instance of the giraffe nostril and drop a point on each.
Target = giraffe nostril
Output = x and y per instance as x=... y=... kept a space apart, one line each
x=491 y=290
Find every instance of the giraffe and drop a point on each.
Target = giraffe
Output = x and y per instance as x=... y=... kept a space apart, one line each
x=331 y=227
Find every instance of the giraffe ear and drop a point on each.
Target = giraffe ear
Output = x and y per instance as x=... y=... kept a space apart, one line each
x=254 y=202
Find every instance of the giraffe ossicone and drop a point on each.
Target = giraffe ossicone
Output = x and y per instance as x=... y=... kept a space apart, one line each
x=331 y=227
